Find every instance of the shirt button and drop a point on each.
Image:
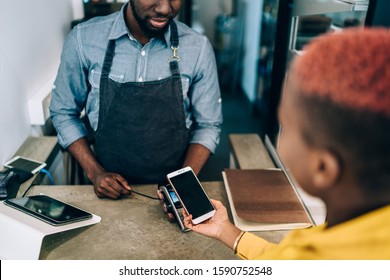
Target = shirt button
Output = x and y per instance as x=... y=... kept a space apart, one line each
x=143 y=53
x=140 y=79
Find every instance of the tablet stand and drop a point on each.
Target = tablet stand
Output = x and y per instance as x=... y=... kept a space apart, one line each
x=21 y=235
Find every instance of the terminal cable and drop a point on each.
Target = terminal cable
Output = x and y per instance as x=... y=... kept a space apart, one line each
x=44 y=171
x=145 y=195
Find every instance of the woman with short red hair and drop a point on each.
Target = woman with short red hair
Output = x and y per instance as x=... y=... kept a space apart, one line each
x=335 y=118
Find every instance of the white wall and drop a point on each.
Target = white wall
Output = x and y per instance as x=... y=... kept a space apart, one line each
x=32 y=34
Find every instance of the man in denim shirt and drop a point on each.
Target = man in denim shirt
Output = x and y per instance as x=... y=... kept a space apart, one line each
x=149 y=87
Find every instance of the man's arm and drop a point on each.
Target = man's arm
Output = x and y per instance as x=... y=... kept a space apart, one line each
x=196 y=157
x=206 y=103
x=106 y=184
x=69 y=96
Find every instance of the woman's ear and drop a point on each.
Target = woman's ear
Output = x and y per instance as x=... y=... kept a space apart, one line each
x=327 y=169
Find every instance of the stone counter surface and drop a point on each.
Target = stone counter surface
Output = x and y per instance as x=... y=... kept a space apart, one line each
x=132 y=228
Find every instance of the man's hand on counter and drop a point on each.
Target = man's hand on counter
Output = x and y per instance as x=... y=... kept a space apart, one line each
x=111 y=185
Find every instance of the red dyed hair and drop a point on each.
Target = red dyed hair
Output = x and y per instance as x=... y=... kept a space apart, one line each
x=350 y=68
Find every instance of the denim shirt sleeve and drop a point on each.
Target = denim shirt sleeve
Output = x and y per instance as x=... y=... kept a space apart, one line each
x=69 y=94
x=206 y=100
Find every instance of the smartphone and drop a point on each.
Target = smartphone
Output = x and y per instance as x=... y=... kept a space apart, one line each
x=48 y=209
x=25 y=164
x=174 y=205
x=191 y=194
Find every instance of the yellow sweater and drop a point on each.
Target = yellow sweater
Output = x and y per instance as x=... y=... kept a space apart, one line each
x=366 y=237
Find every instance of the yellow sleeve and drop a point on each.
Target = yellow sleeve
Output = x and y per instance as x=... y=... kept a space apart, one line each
x=251 y=246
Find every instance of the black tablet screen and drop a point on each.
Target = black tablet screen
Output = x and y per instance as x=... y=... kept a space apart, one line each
x=49 y=209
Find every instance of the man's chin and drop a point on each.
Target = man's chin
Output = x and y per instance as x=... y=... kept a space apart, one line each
x=154 y=31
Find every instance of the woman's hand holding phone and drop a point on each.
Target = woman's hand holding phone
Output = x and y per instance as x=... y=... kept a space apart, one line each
x=218 y=226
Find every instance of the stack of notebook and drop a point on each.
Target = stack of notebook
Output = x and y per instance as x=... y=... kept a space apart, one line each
x=264 y=199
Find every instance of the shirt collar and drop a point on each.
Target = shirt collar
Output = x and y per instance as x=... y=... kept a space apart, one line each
x=120 y=29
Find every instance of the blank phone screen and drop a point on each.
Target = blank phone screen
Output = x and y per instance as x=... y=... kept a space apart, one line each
x=192 y=194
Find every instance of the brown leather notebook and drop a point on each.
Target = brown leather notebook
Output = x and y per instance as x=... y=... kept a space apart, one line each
x=264 y=199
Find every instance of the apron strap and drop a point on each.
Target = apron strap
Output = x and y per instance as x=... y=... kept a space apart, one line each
x=174 y=66
x=173 y=62
x=174 y=35
x=108 y=58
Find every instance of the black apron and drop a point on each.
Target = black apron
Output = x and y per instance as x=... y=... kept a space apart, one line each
x=141 y=133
